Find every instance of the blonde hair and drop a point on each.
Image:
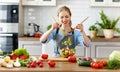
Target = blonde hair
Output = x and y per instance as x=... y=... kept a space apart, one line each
x=64 y=8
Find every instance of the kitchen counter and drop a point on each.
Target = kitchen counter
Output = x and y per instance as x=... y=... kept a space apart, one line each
x=103 y=39
x=97 y=39
x=28 y=39
x=60 y=67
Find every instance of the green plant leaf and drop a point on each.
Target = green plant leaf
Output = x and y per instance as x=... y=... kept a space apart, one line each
x=107 y=23
x=93 y=27
x=117 y=30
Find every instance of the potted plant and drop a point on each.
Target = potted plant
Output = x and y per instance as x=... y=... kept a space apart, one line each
x=108 y=26
x=93 y=31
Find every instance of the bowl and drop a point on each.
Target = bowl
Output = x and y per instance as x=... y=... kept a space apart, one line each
x=66 y=52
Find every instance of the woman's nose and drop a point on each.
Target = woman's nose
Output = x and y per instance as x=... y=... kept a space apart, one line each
x=64 y=19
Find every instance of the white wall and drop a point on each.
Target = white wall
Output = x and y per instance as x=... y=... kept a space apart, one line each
x=80 y=9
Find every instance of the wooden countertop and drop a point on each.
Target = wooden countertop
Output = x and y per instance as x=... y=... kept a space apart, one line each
x=103 y=39
x=97 y=39
x=28 y=39
x=60 y=67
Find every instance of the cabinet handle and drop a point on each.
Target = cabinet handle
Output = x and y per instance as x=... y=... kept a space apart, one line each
x=6 y=34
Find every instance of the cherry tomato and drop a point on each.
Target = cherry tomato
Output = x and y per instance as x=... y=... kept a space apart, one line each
x=44 y=56
x=40 y=62
x=23 y=57
x=91 y=64
x=72 y=59
x=95 y=65
x=100 y=65
x=104 y=63
x=41 y=65
x=14 y=56
x=51 y=63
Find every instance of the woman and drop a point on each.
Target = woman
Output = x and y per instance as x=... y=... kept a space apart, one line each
x=63 y=34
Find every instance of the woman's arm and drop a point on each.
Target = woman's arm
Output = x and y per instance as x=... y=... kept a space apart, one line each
x=46 y=34
x=86 y=39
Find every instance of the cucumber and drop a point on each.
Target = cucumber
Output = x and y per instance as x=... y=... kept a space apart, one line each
x=83 y=63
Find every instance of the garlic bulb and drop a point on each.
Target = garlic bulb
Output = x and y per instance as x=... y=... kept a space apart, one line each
x=9 y=65
x=17 y=63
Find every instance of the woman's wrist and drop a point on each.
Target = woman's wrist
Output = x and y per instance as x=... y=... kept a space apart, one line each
x=83 y=32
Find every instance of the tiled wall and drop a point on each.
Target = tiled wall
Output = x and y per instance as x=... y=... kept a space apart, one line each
x=80 y=9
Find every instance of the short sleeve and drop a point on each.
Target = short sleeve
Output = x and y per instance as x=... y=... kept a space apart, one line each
x=80 y=40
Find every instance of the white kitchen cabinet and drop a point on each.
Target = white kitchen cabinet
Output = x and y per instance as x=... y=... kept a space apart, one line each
x=33 y=47
x=113 y=3
x=16 y=1
x=103 y=49
x=48 y=48
x=47 y=2
x=39 y=2
x=30 y=2
x=82 y=52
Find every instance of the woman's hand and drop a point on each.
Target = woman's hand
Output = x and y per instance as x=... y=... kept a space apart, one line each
x=46 y=34
x=79 y=27
x=55 y=25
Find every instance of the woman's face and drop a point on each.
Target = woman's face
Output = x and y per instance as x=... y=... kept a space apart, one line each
x=64 y=18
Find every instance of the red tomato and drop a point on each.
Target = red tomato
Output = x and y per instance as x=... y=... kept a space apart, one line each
x=72 y=59
x=44 y=56
x=94 y=65
x=23 y=57
x=97 y=64
x=100 y=65
x=91 y=64
x=40 y=62
x=14 y=56
x=51 y=63
x=41 y=65
x=104 y=63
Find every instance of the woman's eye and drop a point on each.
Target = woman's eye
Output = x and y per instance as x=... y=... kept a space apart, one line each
x=66 y=16
x=61 y=17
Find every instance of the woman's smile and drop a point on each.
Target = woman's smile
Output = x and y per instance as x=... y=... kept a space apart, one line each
x=65 y=22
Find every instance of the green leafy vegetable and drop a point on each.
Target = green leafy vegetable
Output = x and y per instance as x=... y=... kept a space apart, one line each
x=24 y=63
x=22 y=51
x=67 y=42
x=114 y=60
x=113 y=64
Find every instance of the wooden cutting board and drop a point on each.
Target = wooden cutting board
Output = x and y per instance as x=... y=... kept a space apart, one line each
x=59 y=59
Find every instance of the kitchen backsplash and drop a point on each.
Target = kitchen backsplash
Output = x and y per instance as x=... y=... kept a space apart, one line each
x=42 y=15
